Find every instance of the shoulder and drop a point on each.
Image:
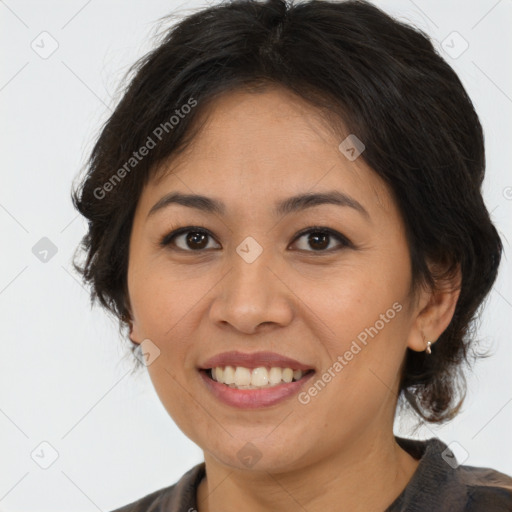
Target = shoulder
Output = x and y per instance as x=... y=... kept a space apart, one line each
x=440 y=483
x=174 y=498
x=148 y=502
x=486 y=489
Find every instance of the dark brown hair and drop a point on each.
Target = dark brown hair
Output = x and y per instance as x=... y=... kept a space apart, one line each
x=382 y=78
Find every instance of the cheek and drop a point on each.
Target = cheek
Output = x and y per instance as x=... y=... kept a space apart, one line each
x=165 y=311
x=363 y=353
x=358 y=299
x=364 y=321
x=176 y=396
x=162 y=297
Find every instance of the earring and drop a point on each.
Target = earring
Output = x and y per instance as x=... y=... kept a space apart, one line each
x=428 y=350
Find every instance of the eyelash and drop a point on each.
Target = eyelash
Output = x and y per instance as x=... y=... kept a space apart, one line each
x=344 y=241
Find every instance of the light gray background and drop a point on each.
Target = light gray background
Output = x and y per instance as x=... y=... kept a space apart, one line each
x=64 y=374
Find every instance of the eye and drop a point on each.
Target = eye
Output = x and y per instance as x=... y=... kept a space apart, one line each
x=189 y=238
x=196 y=239
x=319 y=239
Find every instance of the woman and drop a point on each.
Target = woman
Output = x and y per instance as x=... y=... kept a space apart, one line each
x=285 y=212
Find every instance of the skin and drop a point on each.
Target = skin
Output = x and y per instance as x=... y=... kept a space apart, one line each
x=254 y=150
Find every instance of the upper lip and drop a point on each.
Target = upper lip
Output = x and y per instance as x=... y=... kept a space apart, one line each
x=254 y=360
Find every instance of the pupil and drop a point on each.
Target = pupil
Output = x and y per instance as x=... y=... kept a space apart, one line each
x=197 y=240
x=318 y=240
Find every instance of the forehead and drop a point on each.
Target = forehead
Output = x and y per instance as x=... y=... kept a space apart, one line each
x=259 y=146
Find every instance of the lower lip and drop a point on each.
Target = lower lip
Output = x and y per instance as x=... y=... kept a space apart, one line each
x=253 y=398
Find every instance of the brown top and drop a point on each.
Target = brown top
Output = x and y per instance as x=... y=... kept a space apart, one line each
x=437 y=485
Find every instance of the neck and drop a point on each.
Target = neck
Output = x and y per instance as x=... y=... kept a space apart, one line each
x=367 y=475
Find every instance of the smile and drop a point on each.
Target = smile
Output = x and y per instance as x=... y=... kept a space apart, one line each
x=240 y=377
x=249 y=396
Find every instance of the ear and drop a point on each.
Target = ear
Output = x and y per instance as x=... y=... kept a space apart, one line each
x=128 y=318
x=434 y=311
x=135 y=335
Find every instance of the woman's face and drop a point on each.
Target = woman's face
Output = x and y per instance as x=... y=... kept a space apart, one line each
x=254 y=283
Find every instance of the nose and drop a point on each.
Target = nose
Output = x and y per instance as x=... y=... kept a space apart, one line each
x=252 y=297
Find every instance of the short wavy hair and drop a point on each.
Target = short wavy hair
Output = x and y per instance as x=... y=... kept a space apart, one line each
x=382 y=79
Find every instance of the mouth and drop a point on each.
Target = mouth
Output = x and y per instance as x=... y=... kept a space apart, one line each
x=251 y=380
x=253 y=388
x=240 y=377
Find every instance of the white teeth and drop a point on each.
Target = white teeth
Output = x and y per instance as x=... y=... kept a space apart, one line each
x=228 y=376
x=242 y=376
x=287 y=374
x=274 y=375
x=261 y=377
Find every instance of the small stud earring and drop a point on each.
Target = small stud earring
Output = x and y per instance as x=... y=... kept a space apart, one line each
x=428 y=350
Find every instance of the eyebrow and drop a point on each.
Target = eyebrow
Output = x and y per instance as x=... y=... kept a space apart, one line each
x=285 y=207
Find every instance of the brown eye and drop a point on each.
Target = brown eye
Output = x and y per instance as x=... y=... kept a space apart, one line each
x=188 y=239
x=196 y=240
x=321 y=240
x=318 y=241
